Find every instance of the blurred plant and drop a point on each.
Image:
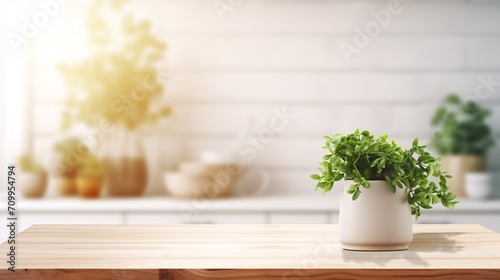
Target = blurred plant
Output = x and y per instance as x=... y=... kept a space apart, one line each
x=71 y=144
x=28 y=164
x=462 y=128
x=117 y=82
x=91 y=167
x=71 y=153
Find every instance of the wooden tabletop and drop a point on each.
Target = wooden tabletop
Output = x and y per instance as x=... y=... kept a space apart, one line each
x=283 y=247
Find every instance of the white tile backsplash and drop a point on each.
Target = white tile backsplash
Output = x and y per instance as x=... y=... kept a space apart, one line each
x=219 y=119
x=446 y=18
x=281 y=152
x=435 y=86
x=482 y=52
x=494 y=119
x=316 y=121
x=264 y=17
x=412 y=53
x=206 y=52
x=222 y=73
x=370 y=87
x=382 y=53
x=303 y=52
x=412 y=120
x=243 y=86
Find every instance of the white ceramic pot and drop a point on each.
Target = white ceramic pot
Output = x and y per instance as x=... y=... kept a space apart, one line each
x=478 y=185
x=32 y=184
x=378 y=220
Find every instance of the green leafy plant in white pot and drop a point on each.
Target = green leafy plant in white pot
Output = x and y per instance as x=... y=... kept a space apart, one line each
x=462 y=138
x=384 y=186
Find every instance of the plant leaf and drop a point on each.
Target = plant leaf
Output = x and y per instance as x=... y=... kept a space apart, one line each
x=315 y=177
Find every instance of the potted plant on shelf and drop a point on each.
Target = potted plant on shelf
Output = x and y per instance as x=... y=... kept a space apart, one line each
x=32 y=177
x=90 y=177
x=384 y=186
x=118 y=89
x=462 y=138
x=68 y=156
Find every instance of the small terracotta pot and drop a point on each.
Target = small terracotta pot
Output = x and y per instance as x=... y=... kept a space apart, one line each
x=33 y=184
x=458 y=166
x=378 y=220
x=66 y=186
x=89 y=187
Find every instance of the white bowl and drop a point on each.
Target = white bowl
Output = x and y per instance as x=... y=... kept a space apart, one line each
x=202 y=168
x=197 y=185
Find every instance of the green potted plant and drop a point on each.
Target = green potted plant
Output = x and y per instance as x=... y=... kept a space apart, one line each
x=384 y=186
x=32 y=177
x=462 y=138
x=90 y=177
x=67 y=158
x=118 y=89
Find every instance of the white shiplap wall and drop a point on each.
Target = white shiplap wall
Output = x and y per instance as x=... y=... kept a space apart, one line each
x=264 y=54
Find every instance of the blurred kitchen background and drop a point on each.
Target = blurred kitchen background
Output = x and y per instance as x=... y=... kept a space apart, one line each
x=116 y=111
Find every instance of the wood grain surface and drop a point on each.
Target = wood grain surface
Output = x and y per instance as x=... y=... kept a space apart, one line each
x=328 y=274
x=77 y=274
x=245 y=252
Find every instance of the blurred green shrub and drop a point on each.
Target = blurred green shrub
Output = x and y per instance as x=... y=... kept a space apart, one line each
x=461 y=127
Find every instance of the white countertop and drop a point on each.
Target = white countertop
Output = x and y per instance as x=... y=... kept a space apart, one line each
x=277 y=203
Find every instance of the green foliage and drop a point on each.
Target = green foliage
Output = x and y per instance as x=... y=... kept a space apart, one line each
x=116 y=82
x=71 y=144
x=461 y=127
x=91 y=167
x=71 y=153
x=28 y=164
x=361 y=157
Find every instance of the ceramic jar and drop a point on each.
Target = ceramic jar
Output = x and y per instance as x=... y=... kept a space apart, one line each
x=378 y=220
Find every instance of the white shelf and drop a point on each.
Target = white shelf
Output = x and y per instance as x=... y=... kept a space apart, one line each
x=288 y=203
